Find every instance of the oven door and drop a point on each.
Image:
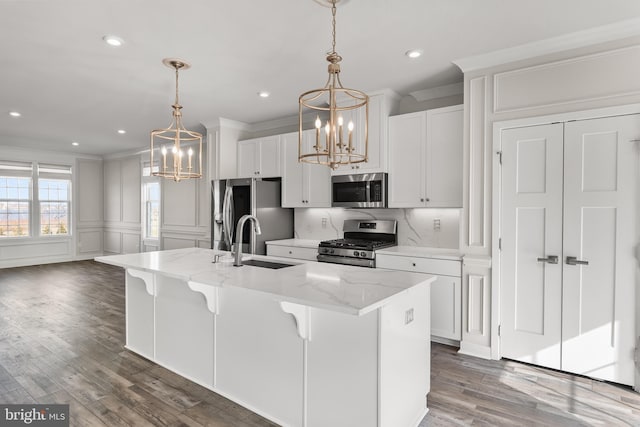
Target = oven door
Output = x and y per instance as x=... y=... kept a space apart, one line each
x=368 y=190
x=360 y=262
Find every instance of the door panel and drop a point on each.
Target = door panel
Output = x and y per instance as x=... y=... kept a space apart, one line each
x=600 y=212
x=531 y=228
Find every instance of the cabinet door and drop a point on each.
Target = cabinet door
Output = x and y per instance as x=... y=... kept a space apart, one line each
x=247 y=158
x=377 y=137
x=269 y=157
x=316 y=180
x=444 y=157
x=292 y=171
x=407 y=138
x=446 y=307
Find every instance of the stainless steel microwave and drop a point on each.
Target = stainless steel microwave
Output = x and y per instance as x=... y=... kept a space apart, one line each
x=365 y=190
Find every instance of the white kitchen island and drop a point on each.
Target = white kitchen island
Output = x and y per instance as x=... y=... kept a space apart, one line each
x=313 y=344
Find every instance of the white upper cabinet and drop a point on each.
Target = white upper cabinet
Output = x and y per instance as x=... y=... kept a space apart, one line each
x=303 y=185
x=259 y=157
x=380 y=106
x=425 y=159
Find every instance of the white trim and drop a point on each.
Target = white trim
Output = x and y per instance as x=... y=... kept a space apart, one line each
x=438 y=92
x=592 y=36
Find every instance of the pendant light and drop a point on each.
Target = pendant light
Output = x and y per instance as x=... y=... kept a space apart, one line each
x=181 y=149
x=336 y=143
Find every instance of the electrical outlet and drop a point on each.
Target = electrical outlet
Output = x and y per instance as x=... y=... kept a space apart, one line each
x=324 y=222
x=436 y=224
x=408 y=316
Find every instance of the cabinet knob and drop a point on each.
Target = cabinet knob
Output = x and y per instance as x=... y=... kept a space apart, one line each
x=427 y=199
x=413 y=263
x=422 y=200
x=290 y=252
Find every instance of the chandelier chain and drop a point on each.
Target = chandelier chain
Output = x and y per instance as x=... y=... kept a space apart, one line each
x=333 y=25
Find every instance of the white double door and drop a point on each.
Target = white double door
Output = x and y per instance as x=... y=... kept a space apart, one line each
x=568 y=268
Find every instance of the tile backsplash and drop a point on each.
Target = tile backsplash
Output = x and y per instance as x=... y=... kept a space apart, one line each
x=416 y=227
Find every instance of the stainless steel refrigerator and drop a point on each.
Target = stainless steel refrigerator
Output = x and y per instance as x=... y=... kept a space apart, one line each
x=261 y=197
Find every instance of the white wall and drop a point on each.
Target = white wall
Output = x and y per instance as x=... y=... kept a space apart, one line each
x=122 y=205
x=86 y=213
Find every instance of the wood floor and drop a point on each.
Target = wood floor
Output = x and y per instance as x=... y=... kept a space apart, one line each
x=62 y=336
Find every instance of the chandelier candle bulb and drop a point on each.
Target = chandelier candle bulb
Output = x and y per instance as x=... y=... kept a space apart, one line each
x=318 y=126
x=350 y=127
x=327 y=131
x=190 y=155
x=164 y=158
x=340 y=123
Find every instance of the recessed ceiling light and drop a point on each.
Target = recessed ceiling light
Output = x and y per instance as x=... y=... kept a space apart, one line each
x=75 y=144
x=414 y=53
x=263 y=94
x=14 y=114
x=113 y=41
x=122 y=131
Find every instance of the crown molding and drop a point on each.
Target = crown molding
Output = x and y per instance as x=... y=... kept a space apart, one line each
x=438 y=92
x=592 y=36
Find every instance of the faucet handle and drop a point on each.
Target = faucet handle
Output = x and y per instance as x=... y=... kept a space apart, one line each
x=257 y=227
x=216 y=258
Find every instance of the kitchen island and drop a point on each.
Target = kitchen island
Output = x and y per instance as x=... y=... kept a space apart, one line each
x=311 y=344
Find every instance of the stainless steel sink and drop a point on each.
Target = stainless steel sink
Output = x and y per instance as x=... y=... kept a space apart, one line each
x=266 y=264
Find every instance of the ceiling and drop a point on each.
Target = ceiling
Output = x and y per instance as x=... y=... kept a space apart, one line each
x=71 y=86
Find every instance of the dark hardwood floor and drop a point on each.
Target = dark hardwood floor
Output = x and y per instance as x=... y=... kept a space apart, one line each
x=62 y=336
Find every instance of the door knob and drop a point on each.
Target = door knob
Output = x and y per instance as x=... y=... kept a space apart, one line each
x=551 y=259
x=571 y=260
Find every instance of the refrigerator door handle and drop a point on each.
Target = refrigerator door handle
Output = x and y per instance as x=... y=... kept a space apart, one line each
x=227 y=216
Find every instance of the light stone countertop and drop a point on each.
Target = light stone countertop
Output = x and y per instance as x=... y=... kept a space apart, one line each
x=422 y=252
x=340 y=288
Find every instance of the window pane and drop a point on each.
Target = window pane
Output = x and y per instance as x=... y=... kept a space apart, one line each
x=14 y=206
x=152 y=210
x=54 y=218
x=53 y=189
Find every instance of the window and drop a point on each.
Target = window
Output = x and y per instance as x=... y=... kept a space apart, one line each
x=15 y=199
x=152 y=210
x=54 y=206
x=54 y=185
x=151 y=201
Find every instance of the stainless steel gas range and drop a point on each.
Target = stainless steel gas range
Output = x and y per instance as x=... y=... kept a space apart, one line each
x=361 y=239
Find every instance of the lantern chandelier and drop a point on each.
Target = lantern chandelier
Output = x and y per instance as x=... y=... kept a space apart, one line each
x=181 y=149
x=334 y=145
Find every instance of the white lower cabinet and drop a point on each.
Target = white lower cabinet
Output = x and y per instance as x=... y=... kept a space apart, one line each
x=295 y=252
x=446 y=301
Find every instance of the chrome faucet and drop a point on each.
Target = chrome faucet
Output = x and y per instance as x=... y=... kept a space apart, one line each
x=241 y=221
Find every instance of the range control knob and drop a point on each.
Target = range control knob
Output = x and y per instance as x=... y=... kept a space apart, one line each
x=356 y=253
x=331 y=251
